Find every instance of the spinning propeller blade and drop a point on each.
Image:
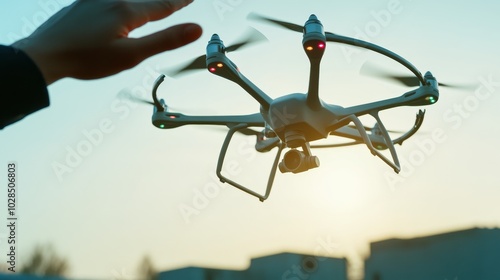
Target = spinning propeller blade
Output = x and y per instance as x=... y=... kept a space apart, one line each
x=253 y=36
x=128 y=95
x=199 y=63
x=287 y=25
x=407 y=80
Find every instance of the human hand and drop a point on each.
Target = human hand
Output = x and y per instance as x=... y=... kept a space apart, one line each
x=89 y=39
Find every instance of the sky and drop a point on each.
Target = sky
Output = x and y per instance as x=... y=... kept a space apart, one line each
x=105 y=187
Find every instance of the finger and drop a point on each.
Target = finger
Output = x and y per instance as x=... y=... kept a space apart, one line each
x=168 y=39
x=151 y=10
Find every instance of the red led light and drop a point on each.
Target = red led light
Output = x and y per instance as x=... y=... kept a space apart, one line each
x=321 y=45
x=212 y=69
x=173 y=117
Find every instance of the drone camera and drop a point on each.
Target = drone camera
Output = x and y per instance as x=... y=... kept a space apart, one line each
x=296 y=161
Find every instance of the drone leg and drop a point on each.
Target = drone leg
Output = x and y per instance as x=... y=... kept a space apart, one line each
x=388 y=141
x=224 y=179
x=395 y=165
x=160 y=105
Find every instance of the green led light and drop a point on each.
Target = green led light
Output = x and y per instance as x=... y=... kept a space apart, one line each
x=431 y=99
x=162 y=126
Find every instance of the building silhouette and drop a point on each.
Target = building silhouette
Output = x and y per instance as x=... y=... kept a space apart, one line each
x=466 y=254
x=279 y=266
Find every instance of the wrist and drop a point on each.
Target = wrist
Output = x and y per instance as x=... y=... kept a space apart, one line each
x=42 y=59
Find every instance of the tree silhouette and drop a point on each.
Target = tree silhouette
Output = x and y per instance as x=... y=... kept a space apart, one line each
x=146 y=269
x=45 y=261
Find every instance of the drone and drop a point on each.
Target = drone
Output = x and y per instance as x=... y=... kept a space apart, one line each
x=295 y=120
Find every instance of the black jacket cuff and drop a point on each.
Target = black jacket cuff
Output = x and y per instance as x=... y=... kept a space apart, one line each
x=23 y=89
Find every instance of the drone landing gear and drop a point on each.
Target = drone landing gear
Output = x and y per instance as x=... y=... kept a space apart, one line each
x=395 y=163
x=224 y=179
x=294 y=161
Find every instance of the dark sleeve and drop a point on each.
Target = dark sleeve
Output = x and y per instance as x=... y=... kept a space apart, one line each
x=23 y=89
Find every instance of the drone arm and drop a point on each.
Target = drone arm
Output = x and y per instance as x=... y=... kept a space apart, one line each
x=166 y=120
x=254 y=91
x=330 y=37
x=219 y=64
x=424 y=95
x=364 y=109
x=231 y=73
x=314 y=43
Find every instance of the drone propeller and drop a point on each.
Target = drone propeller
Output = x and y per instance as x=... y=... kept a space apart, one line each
x=284 y=24
x=199 y=63
x=407 y=80
x=287 y=25
x=130 y=96
x=253 y=36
